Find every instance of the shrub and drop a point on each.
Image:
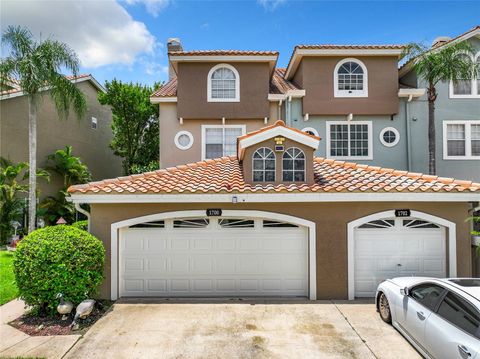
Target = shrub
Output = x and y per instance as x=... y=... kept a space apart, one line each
x=83 y=225
x=58 y=259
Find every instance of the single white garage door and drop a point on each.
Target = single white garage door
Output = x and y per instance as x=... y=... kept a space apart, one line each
x=391 y=248
x=214 y=257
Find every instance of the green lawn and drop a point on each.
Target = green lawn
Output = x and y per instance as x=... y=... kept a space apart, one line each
x=8 y=289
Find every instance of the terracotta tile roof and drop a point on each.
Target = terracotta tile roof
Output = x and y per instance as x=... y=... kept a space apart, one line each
x=167 y=90
x=18 y=89
x=278 y=123
x=354 y=47
x=280 y=85
x=224 y=175
x=223 y=53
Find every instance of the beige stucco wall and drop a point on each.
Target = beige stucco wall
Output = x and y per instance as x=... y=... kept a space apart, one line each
x=331 y=221
x=54 y=133
x=170 y=154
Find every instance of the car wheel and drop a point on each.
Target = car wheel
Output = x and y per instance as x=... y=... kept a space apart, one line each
x=384 y=309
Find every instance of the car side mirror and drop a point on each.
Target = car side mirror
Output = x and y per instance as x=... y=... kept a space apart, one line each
x=405 y=291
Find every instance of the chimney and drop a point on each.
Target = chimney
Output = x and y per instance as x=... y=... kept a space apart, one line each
x=440 y=41
x=173 y=45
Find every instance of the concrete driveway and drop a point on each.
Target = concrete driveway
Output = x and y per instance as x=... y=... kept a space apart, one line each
x=237 y=329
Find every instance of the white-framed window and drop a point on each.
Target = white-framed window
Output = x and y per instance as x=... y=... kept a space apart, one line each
x=389 y=136
x=94 y=123
x=350 y=78
x=223 y=84
x=293 y=165
x=183 y=140
x=466 y=88
x=220 y=140
x=263 y=165
x=461 y=140
x=310 y=131
x=349 y=140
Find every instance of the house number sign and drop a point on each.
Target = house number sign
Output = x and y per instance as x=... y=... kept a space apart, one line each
x=402 y=213
x=214 y=212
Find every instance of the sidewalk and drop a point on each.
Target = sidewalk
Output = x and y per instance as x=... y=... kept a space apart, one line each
x=14 y=343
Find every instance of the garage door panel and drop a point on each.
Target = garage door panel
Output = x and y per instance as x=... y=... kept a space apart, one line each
x=214 y=261
x=382 y=253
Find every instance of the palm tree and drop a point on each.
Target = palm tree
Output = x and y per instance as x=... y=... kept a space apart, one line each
x=445 y=64
x=71 y=168
x=37 y=65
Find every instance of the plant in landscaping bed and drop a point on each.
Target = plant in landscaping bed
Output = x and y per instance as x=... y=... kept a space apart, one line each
x=58 y=259
x=83 y=225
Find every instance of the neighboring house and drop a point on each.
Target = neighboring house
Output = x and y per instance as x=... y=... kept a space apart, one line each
x=274 y=220
x=457 y=116
x=352 y=96
x=89 y=136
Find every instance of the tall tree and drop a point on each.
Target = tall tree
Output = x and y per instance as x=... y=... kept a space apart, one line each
x=135 y=123
x=69 y=167
x=37 y=65
x=433 y=66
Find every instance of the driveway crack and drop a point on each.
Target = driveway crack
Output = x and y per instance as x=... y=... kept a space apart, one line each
x=353 y=328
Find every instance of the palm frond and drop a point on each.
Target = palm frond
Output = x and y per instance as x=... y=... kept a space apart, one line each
x=66 y=95
x=19 y=40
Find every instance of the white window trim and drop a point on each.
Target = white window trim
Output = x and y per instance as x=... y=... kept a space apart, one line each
x=204 y=131
x=311 y=129
x=264 y=170
x=468 y=140
x=304 y=166
x=370 y=141
x=397 y=136
x=346 y=93
x=209 y=84
x=94 y=123
x=473 y=87
x=177 y=136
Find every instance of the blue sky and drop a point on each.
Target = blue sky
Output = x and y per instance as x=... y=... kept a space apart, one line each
x=126 y=39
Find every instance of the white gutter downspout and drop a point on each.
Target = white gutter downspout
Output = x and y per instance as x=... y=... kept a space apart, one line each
x=86 y=213
x=407 y=120
x=289 y=113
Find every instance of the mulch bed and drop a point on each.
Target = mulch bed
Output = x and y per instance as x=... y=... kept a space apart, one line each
x=35 y=325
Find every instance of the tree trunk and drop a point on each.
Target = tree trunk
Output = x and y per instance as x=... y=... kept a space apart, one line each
x=432 y=96
x=32 y=160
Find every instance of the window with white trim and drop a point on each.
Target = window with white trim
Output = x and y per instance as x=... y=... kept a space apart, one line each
x=263 y=165
x=461 y=140
x=293 y=165
x=350 y=79
x=468 y=88
x=223 y=84
x=311 y=131
x=389 y=136
x=183 y=140
x=94 y=123
x=219 y=141
x=349 y=140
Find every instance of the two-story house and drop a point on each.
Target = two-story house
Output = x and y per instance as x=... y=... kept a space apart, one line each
x=89 y=136
x=354 y=97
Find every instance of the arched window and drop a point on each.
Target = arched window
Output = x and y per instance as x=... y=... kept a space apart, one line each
x=223 y=84
x=293 y=165
x=263 y=165
x=350 y=79
x=467 y=88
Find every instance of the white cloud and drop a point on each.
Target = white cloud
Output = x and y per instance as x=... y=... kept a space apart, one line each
x=101 y=32
x=270 y=5
x=154 y=7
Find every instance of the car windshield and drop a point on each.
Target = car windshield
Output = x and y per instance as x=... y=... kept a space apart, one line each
x=466 y=282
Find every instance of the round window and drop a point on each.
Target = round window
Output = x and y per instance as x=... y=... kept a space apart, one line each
x=183 y=140
x=389 y=136
x=310 y=131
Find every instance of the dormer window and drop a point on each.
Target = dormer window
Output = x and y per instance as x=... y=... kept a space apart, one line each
x=350 y=79
x=223 y=84
x=293 y=165
x=263 y=165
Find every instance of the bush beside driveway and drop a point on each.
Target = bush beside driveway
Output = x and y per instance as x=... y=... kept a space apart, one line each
x=243 y=330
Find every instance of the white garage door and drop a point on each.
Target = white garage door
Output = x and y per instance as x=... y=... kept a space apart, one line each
x=214 y=257
x=391 y=248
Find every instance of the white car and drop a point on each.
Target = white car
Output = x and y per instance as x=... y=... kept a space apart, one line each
x=439 y=317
